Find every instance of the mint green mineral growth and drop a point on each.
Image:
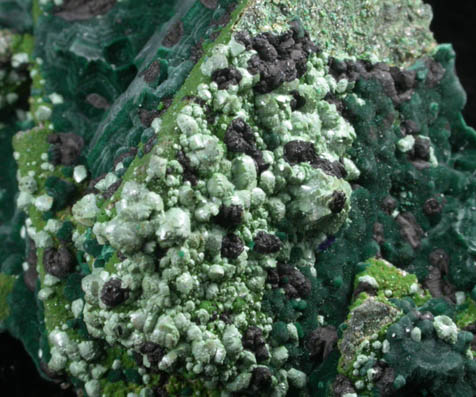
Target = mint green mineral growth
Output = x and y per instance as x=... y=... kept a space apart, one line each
x=211 y=196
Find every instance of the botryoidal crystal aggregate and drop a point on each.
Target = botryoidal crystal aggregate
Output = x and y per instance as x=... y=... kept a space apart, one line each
x=236 y=198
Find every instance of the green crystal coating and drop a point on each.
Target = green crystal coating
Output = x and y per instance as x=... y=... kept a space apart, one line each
x=381 y=31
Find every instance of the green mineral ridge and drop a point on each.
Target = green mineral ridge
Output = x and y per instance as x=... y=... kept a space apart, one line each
x=16 y=15
x=403 y=321
x=118 y=67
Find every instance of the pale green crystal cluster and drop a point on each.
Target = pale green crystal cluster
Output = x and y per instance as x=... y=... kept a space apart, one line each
x=172 y=306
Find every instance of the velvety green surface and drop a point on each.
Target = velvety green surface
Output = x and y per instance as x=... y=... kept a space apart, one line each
x=108 y=57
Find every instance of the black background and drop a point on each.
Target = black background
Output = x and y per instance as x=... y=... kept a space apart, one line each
x=453 y=22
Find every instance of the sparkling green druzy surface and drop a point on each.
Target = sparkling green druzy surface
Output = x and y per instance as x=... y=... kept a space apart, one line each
x=248 y=215
x=396 y=32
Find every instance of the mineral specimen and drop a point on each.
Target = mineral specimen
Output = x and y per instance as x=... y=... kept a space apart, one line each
x=236 y=198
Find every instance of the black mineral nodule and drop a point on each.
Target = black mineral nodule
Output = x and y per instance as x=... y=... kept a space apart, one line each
x=153 y=351
x=404 y=79
x=342 y=386
x=262 y=353
x=147 y=116
x=252 y=338
x=231 y=246
x=432 y=206
x=435 y=72
x=254 y=341
x=298 y=100
x=321 y=342
x=333 y=168
x=337 y=67
x=210 y=4
x=79 y=10
x=299 y=152
x=226 y=77
x=389 y=204
x=279 y=58
x=385 y=377
x=59 y=262
x=272 y=278
x=364 y=287
x=266 y=51
x=97 y=101
x=189 y=173
x=410 y=230
x=30 y=276
x=265 y=243
x=421 y=149
x=66 y=148
x=294 y=283
x=261 y=378
x=239 y=137
x=410 y=127
x=112 y=189
x=152 y=72
x=229 y=216
x=398 y=84
x=337 y=202
x=112 y=294
x=174 y=34
x=440 y=259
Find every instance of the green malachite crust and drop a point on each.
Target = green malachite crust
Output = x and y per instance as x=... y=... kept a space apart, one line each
x=236 y=198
